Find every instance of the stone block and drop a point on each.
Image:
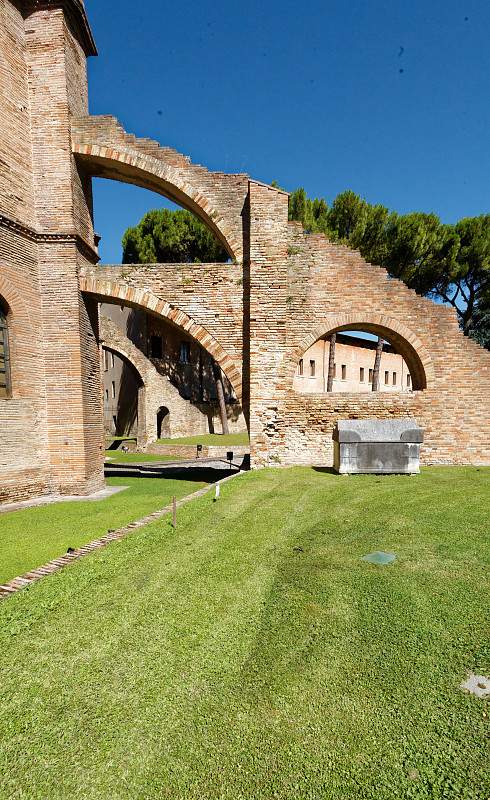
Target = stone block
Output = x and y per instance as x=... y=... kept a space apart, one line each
x=382 y=446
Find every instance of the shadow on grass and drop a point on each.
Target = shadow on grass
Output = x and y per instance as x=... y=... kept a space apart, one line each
x=327 y=470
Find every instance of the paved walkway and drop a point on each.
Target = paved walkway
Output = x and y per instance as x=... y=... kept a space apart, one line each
x=47 y=499
x=16 y=584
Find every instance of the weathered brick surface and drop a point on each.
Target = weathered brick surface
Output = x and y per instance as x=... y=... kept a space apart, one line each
x=256 y=316
x=51 y=428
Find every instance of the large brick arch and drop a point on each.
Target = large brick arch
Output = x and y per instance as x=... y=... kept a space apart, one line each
x=409 y=346
x=112 y=291
x=105 y=150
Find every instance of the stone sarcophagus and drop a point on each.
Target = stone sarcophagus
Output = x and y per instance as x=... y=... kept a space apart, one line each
x=377 y=445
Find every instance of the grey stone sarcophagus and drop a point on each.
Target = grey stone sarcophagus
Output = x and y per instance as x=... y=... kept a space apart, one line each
x=377 y=445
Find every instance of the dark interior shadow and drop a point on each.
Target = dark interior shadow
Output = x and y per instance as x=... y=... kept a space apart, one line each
x=193 y=474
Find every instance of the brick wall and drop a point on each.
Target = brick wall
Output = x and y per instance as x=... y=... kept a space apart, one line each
x=51 y=428
x=256 y=316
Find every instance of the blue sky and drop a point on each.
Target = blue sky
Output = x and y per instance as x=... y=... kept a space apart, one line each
x=390 y=99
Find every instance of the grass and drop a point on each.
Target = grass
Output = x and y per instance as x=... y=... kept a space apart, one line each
x=32 y=536
x=137 y=458
x=252 y=654
x=223 y=440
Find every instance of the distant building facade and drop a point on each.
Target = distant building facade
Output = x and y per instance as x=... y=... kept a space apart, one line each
x=354 y=366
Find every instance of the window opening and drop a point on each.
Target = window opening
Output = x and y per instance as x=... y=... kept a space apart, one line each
x=5 y=387
x=156 y=347
x=185 y=353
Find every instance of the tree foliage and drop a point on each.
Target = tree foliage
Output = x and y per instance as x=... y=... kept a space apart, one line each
x=164 y=236
x=450 y=263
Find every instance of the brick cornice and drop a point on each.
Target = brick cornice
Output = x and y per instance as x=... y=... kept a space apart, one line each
x=75 y=12
x=58 y=238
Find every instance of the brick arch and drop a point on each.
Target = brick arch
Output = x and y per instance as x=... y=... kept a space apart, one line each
x=125 y=356
x=17 y=310
x=126 y=166
x=107 y=291
x=409 y=346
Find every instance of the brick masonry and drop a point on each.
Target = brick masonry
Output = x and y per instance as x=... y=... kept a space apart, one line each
x=256 y=316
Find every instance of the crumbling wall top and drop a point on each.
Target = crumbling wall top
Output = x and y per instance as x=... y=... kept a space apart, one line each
x=75 y=12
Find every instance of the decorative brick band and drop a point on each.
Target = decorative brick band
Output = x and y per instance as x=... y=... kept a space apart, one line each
x=22 y=581
x=43 y=237
x=131 y=296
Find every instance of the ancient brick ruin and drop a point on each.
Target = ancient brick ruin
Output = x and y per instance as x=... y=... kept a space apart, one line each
x=256 y=316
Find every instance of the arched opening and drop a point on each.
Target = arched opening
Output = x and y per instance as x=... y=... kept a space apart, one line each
x=135 y=226
x=113 y=292
x=359 y=357
x=163 y=423
x=103 y=149
x=5 y=379
x=122 y=385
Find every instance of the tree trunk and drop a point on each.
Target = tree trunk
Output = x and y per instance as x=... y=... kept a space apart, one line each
x=220 y=391
x=377 y=364
x=331 y=362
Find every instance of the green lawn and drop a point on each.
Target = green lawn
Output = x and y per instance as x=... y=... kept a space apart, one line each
x=32 y=536
x=137 y=458
x=251 y=654
x=210 y=439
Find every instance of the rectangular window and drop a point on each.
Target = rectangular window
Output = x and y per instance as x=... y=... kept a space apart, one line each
x=300 y=367
x=361 y=374
x=107 y=394
x=112 y=360
x=4 y=365
x=312 y=369
x=387 y=378
x=185 y=353
x=370 y=376
x=113 y=390
x=106 y=361
x=156 y=347
x=394 y=379
x=344 y=372
x=409 y=381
